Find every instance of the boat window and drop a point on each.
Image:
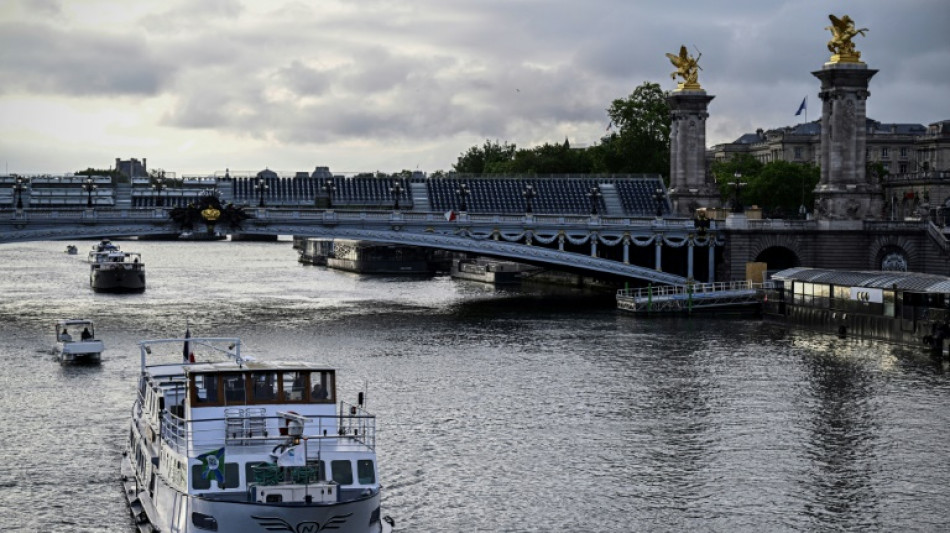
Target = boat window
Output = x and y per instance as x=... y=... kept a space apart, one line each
x=234 y=389
x=321 y=468
x=205 y=390
x=294 y=386
x=200 y=482
x=264 y=386
x=342 y=472
x=365 y=472
x=842 y=293
x=889 y=303
x=322 y=387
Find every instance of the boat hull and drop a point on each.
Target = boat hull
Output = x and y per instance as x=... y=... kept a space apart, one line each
x=118 y=280
x=396 y=267
x=173 y=510
x=80 y=352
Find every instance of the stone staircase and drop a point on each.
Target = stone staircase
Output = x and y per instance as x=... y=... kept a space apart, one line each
x=612 y=204
x=420 y=197
x=123 y=196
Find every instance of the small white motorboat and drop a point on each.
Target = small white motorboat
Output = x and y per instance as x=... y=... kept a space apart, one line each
x=76 y=341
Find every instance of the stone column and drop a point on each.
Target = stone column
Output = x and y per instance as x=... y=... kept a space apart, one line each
x=844 y=192
x=690 y=186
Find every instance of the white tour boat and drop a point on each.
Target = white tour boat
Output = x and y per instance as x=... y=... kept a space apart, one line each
x=220 y=442
x=117 y=271
x=76 y=341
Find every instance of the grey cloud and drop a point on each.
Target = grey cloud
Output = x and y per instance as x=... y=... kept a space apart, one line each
x=43 y=59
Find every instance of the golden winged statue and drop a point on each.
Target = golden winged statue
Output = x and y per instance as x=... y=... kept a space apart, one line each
x=687 y=67
x=840 y=45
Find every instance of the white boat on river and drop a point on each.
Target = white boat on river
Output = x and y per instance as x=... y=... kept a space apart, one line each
x=76 y=341
x=220 y=442
x=117 y=272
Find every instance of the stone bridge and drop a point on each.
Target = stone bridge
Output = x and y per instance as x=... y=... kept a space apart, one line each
x=654 y=250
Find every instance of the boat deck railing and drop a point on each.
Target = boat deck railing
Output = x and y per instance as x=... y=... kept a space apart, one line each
x=248 y=429
x=690 y=296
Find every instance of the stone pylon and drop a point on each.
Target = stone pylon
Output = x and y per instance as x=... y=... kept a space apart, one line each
x=690 y=185
x=844 y=192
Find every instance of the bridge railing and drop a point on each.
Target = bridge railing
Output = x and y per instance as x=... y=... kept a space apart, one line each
x=98 y=213
x=345 y=215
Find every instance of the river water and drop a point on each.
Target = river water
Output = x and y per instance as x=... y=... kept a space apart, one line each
x=525 y=410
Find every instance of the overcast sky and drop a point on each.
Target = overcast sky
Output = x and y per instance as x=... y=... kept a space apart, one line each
x=363 y=85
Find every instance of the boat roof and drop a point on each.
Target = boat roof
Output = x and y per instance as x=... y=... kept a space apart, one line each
x=73 y=321
x=908 y=281
x=232 y=366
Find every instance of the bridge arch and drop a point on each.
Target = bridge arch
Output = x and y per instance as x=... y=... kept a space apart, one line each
x=778 y=251
x=893 y=252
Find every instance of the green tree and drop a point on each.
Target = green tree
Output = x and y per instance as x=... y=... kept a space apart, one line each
x=491 y=157
x=550 y=159
x=641 y=140
x=780 y=188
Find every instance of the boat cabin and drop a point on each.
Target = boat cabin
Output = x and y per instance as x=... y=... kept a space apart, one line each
x=272 y=427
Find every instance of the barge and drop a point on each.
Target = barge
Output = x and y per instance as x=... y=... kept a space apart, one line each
x=901 y=307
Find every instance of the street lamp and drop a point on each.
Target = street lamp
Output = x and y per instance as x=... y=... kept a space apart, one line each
x=529 y=194
x=18 y=189
x=738 y=184
x=261 y=187
x=330 y=187
x=594 y=196
x=462 y=193
x=158 y=187
x=396 y=191
x=89 y=186
x=660 y=200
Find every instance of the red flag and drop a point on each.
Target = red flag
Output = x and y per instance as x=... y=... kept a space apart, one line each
x=450 y=215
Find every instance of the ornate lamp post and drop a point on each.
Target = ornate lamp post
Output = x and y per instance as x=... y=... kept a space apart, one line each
x=330 y=187
x=529 y=194
x=158 y=187
x=738 y=184
x=396 y=191
x=594 y=196
x=462 y=193
x=89 y=186
x=18 y=189
x=261 y=187
x=660 y=200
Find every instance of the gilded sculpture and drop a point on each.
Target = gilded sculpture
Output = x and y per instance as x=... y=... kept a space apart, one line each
x=687 y=67
x=840 y=45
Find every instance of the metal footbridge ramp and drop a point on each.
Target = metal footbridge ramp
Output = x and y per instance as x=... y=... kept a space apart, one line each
x=690 y=297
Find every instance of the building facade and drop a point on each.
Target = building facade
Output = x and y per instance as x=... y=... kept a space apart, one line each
x=900 y=148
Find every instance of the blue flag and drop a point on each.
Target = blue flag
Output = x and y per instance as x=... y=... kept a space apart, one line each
x=802 y=107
